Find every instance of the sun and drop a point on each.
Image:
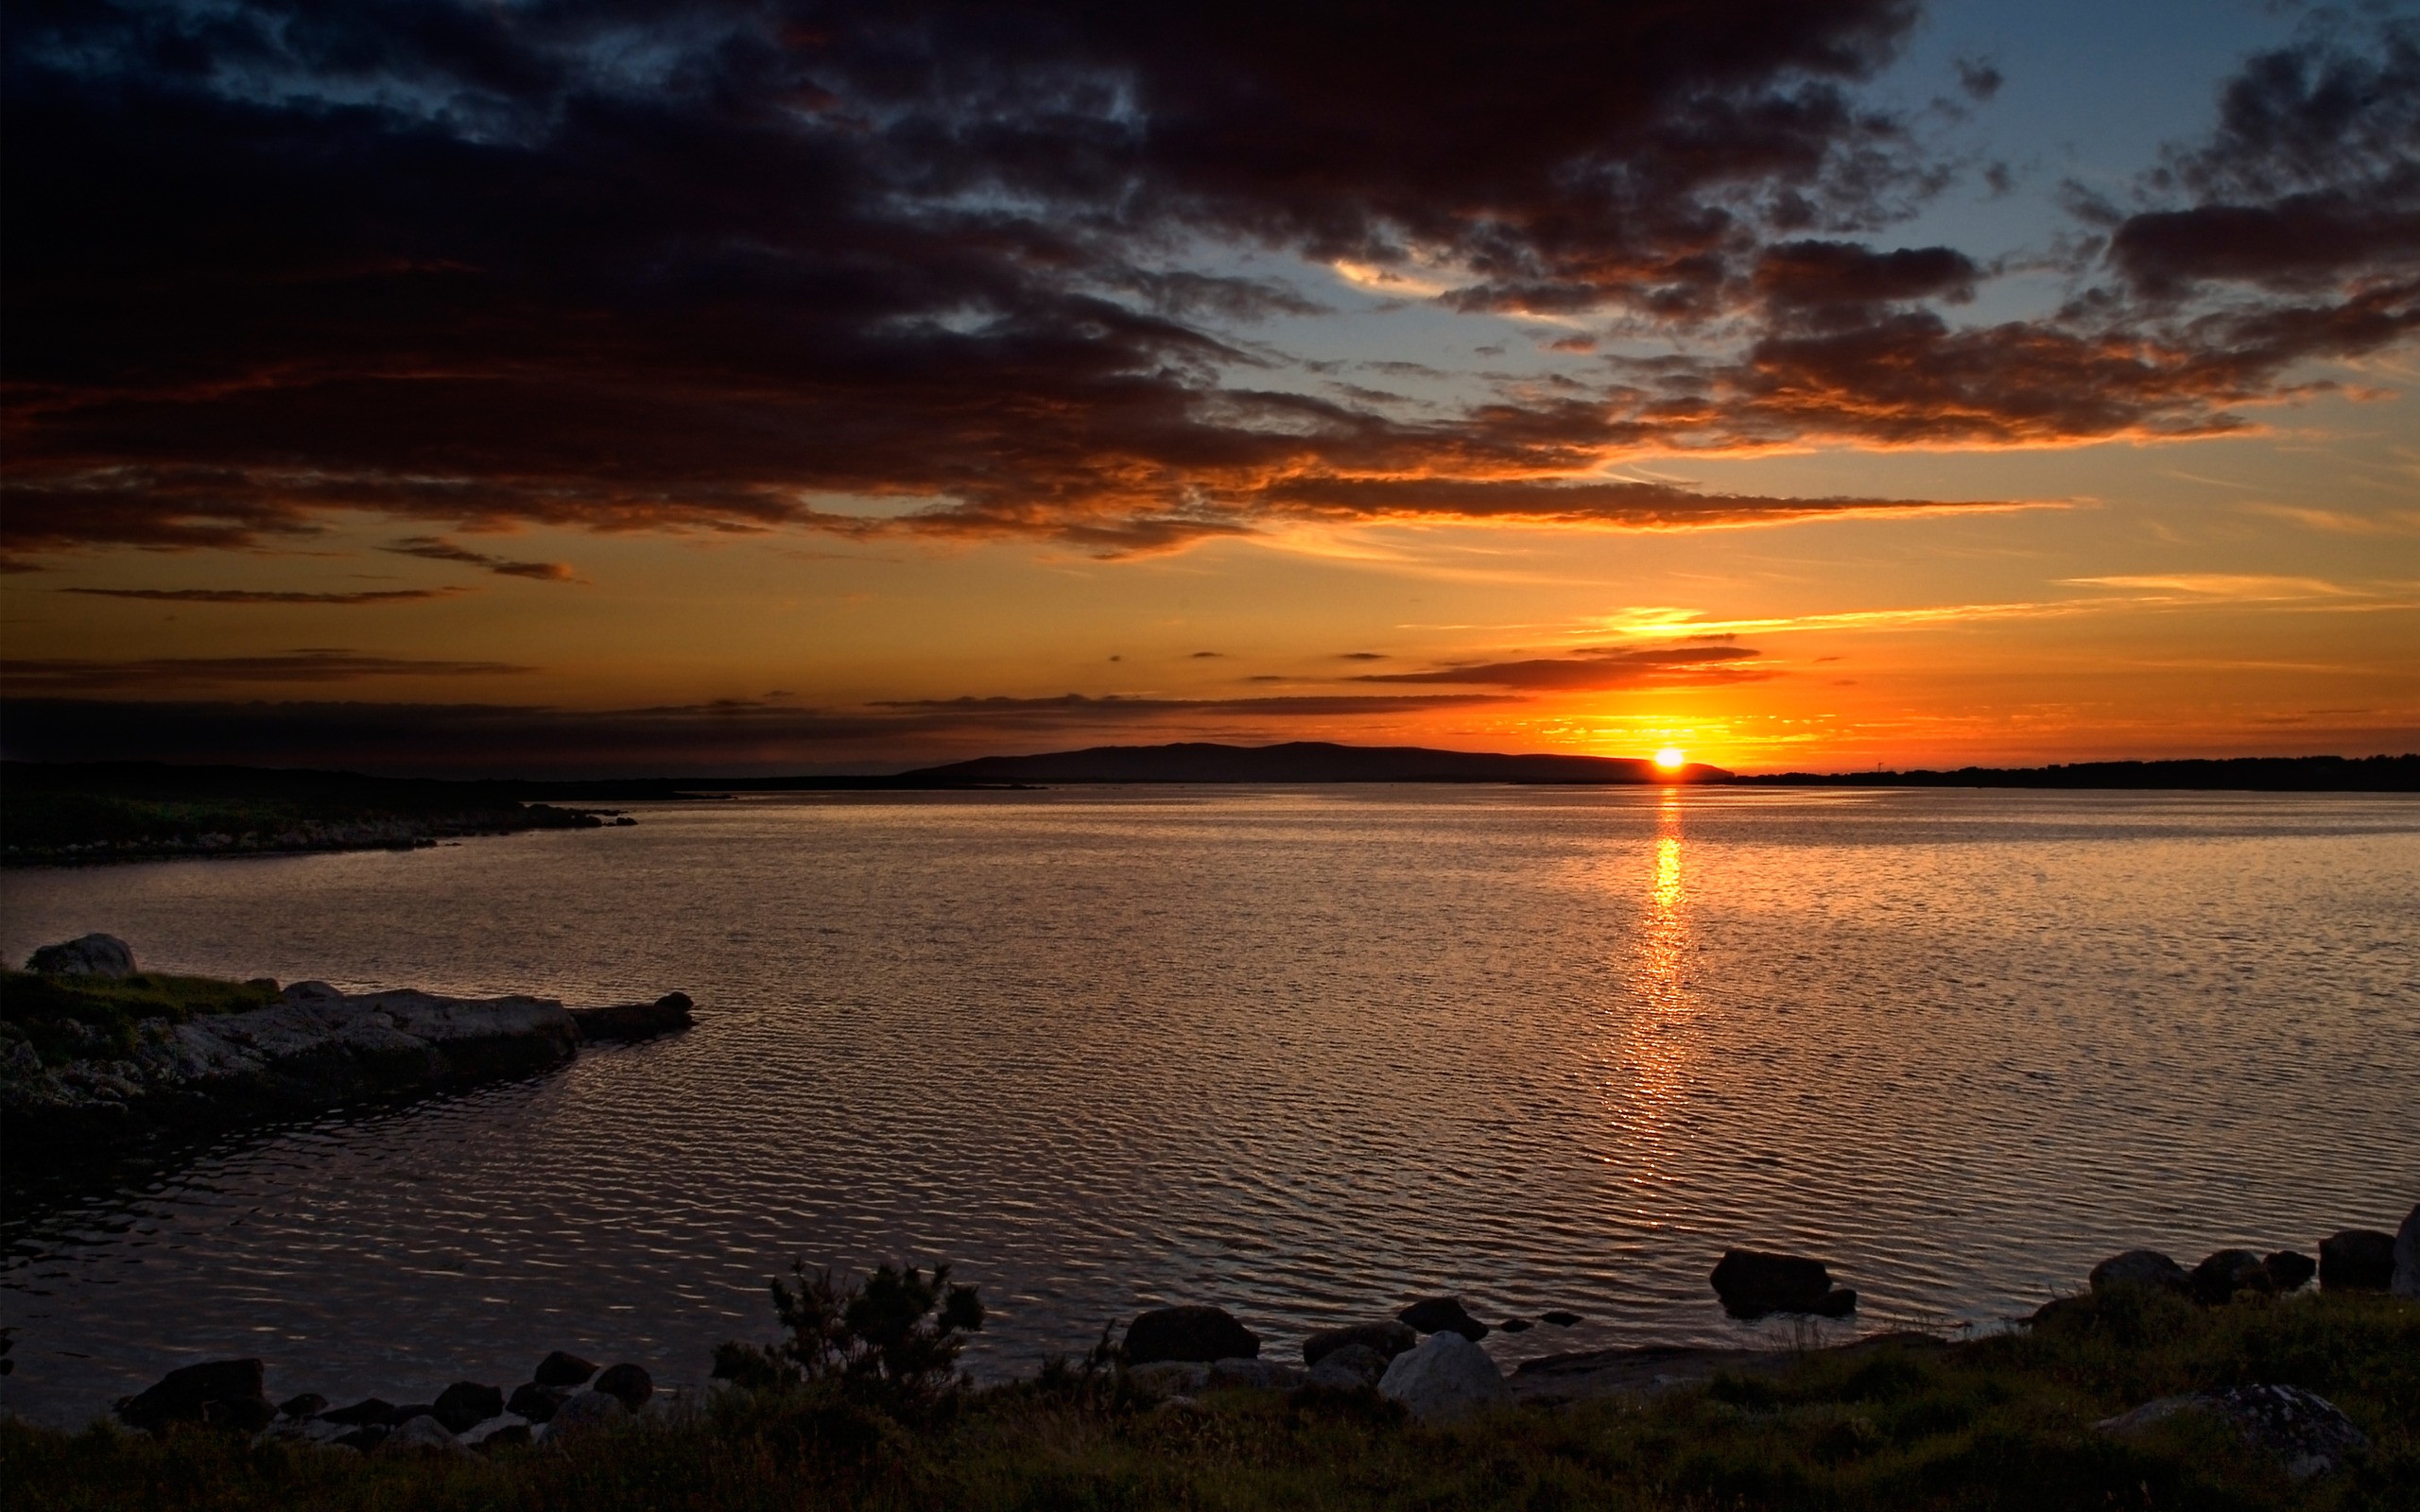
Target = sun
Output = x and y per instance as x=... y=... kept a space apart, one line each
x=1671 y=758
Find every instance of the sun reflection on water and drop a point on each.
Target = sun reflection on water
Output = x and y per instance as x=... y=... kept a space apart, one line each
x=1656 y=1044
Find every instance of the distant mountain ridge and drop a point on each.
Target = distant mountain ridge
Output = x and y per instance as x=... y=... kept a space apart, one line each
x=1302 y=760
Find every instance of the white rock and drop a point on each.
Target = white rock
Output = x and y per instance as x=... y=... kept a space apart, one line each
x=2407 y=1256
x=1448 y=1377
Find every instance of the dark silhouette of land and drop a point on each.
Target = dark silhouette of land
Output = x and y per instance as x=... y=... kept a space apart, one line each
x=2242 y=774
x=1302 y=760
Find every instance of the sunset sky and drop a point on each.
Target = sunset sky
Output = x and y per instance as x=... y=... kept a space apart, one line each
x=605 y=388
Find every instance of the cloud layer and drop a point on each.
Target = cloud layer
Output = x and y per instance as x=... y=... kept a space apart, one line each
x=969 y=269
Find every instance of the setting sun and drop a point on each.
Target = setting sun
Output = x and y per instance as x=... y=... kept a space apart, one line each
x=1671 y=758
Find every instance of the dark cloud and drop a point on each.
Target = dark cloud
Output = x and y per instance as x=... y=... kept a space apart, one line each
x=253 y=595
x=36 y=675
x=1692 y=665
x=1980 y=78
x=732 y=267
x=436 y=548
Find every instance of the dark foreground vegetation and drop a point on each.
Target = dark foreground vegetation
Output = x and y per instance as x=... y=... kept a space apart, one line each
x=2000 y=1422
x=129 y=811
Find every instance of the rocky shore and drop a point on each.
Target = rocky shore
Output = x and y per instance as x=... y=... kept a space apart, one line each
x=94 y=1050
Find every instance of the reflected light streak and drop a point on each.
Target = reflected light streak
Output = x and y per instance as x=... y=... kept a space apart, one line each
x=1657 y=1042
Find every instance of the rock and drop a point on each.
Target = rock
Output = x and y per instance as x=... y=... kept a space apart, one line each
x=423 y=1435
x=505 y=1428
x=365 y=1413
x=410 y=1410
x=585 y=1412
x=537 y=1402
x=1753 y=1283
x=1561 y=1319
x=2356 y=1260
x=1439 y=1314
x=1349 y=1367
x=628 y=1385
x=2303 y=1431
x=1448 y=1377
x=1199 y=1334
x=561 y=1369
x=1386 y=1340
x=1171 y=1378
x=465 y=1405
x=2140 y=1267
x=2407 y=1256
x=1514 y=1325
x=89 y=956
x=303 y=1408
x=217 y=1393
x=1260 y=1375
x=636 y=1021
x=2289 y=1271
x=2229 y=1271
x=365 y=1438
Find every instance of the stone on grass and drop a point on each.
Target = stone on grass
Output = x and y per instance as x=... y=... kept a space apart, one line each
x=2356 y=1260
x=537 y=1402
x=1197 y=1333
x=505 y=1428
x=362 y=1414
x=1386 y=1339
x=2229 y=1271
x=2145 y=1268
x=2407 y=1256
x=1448 y=1377
x=1441 y=1314
x=585 y=1412
x=2305 y=1432
x=1753 y=1282
x=563 y=1369
x=87 y=956
x=1349 y=1367
x=308 y=1405
x=1260 y=1375
x=626 y=1384
x=218 y=1394
x=365 y=1438
x=2289 y=1270
x=423 y=1435
x=465 y=1405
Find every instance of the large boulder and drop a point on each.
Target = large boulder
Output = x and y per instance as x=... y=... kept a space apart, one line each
x=2226 y=1273
x=89 y=956
x=368 y=1412
x=2303 y=1431
x=1350 y=1368
x=536 y=1402
x=465 y=1405
x=218 y=1394
x=563 y=1369
x=2407 y=1256
x=2145 y=1268
x=1260 y=1375
x=1197 y=1333
x=423 y=1435
x=585 y=1412
x=2289 y=1270
x=626 y=1384
x=303 y=1408
x=1441 y=1314
x=2356 y=1260
x=1386 y=1340
x=1448 y=1377
x=1753 y=1282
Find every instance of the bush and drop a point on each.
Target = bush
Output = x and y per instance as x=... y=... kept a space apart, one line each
x=892 y=1340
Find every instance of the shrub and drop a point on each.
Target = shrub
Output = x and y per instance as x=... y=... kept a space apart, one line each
x=892 y=1340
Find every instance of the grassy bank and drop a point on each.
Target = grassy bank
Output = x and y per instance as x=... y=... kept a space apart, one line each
x=2003 y=1422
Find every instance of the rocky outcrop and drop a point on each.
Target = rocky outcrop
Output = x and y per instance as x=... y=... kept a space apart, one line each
x=627 y=1022
x=316 y=1046
x=1446 y=1378
x=2289 y=1270
x=1441 y=1315
x=2356 y=1260
x=465 y=1405
x=1349 y=1367
x=2406 y=1282
x=1386 y=1340
x=90 y=955
x=585 y=1412
x=1195 y=1333
x=2140 y=1267
x=1753 y=1283
x=2229 y=1271
x=626 y=1384
x=2305 y=1432
x=223 y=1394
x=563 y=1370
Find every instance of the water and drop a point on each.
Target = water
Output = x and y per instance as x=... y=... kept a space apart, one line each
x=1308 y=1054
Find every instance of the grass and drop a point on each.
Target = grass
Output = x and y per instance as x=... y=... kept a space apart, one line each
x=68 y=1016
x=2001 y=1422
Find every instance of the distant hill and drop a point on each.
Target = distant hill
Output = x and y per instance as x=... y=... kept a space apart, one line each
x=2242 y=774
x=1302 y=760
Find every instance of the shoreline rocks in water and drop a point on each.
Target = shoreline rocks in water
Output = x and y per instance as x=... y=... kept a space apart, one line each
x=1753 y=1283
x=92 y=1050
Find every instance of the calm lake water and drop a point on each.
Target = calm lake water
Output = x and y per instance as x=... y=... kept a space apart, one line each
x=1307 y=1054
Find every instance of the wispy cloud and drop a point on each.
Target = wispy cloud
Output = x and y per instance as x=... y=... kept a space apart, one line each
x=251 y=596
x=436 y=548
x=2343 y=522
x=2252 y=588
x=1598 y=668
x=316 y=665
